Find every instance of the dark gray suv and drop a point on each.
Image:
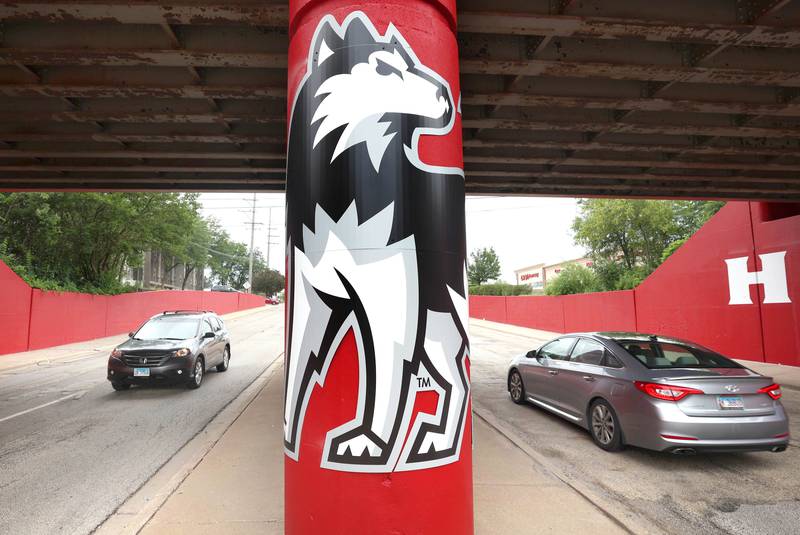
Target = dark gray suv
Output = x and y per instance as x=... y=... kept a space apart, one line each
x=174 y=346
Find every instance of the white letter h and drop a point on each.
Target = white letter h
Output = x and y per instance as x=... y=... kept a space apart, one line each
x=772 y=276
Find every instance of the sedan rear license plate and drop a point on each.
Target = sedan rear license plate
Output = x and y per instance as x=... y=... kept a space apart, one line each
x=141 y=372
x=730 y=402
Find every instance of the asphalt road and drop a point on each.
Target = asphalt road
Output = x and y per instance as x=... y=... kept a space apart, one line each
x=741 y=493
x=64 y=467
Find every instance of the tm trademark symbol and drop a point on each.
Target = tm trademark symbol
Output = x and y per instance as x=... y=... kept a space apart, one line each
x=423 y=382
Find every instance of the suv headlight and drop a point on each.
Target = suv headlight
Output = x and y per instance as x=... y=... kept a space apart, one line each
x=183 y=352
x=116 y=353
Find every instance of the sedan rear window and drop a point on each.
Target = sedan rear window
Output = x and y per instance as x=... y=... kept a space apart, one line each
x=168 y=328
x=654 y=354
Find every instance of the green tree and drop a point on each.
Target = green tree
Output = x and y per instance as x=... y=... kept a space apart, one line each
x=574 y=279
x=83 y=241
x=268 y=282
x=671 y=248
x=484 y=266
x=628 y=239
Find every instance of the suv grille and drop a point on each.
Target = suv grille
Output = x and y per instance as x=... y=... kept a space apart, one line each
x=145 y=361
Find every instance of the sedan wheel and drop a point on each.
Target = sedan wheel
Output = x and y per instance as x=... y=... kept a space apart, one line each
x=604 y=426
x=516 y=388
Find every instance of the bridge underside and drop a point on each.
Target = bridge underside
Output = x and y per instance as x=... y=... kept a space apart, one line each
x=587 y=97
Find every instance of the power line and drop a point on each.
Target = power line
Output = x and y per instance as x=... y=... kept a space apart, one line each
x=210 y=250
x=261 y=207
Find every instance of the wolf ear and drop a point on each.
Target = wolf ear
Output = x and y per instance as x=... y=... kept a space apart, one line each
x=358 y=32
x=326 y=41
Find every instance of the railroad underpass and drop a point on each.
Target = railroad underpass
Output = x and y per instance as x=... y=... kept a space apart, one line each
x=580 y=98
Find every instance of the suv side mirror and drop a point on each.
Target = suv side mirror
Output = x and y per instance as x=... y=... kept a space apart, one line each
x=532 y=354
x=130 y=334
x=208 y=335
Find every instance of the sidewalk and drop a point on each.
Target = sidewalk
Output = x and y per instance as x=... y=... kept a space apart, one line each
x=238 y=486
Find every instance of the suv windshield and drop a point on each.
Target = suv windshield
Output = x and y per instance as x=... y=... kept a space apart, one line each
x=169 y=328
x=655 y=354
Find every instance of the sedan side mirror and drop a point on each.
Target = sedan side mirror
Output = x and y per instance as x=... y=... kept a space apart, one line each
x=130 y=334
x=532 y=354
x=208 y=335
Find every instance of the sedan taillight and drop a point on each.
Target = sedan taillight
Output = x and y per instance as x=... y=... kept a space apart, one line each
x=666 y=392
x=773 y=391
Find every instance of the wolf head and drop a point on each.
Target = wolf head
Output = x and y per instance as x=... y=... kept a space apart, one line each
x=372 y=89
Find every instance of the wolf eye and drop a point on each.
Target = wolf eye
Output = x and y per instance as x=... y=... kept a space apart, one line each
x=385 y=69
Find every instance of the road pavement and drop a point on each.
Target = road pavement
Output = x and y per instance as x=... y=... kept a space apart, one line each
x=72 y=449
x=739 y=493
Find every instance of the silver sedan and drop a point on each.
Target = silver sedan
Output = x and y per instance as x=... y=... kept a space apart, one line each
x=652 y=392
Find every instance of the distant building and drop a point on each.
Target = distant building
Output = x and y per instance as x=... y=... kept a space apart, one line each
x=539 y=275
x=161 y=271
x=533 y=275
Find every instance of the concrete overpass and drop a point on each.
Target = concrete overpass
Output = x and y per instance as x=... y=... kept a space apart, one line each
x=611 y=98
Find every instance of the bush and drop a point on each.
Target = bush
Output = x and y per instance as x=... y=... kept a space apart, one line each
x=630 y=279
x=500 y=288
x=49 y=283
x=671 y=248
x=574 y=279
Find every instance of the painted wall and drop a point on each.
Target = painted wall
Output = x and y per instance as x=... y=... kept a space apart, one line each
x=734 y=286
x=15 y=311
x=35 y=319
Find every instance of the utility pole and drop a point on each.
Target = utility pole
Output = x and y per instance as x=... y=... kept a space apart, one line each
x=269 y=234
x=252 y=243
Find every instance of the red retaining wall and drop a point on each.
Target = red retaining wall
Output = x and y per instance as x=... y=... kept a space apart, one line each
x=690 y=295
x=780 y=322
x=687 y=296
x=15 y=311
x=545 y=313
x=35 y=319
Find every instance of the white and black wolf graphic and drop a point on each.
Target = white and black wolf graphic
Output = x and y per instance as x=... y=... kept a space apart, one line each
x=375 y=244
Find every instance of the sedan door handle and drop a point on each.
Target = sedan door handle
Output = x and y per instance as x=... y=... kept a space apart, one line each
x=552 y=372
x=588 y=378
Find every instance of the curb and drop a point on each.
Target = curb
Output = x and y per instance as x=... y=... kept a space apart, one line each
x=136 y=511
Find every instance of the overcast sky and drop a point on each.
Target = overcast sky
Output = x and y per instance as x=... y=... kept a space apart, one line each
x=523 y=230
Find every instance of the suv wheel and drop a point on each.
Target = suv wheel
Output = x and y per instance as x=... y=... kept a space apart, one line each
x=226 y=359
x=119 y=386
x=196 y=379
x=604 y=426
x=516 y=388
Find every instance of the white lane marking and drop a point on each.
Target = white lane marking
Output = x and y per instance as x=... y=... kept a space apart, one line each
x=74 y=395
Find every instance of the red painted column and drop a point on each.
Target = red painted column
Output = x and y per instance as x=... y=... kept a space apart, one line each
x=377 y=415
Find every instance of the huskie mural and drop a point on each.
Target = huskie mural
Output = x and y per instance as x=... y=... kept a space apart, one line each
x=367 y=227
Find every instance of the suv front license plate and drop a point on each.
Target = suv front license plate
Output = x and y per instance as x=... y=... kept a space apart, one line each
x=730 y=402
x=141 y=372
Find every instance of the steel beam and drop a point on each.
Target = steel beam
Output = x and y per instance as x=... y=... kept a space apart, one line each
x=275 y=14
x=631 y=71
x=632 y=128
x=526 y=23
x=788 y=109
x=140 y=57
x=156 y=90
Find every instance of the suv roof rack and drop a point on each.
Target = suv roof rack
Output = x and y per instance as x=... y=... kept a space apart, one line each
x=185 y=312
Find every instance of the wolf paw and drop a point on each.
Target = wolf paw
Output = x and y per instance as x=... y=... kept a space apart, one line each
x=433 y=443
x=357 y=448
